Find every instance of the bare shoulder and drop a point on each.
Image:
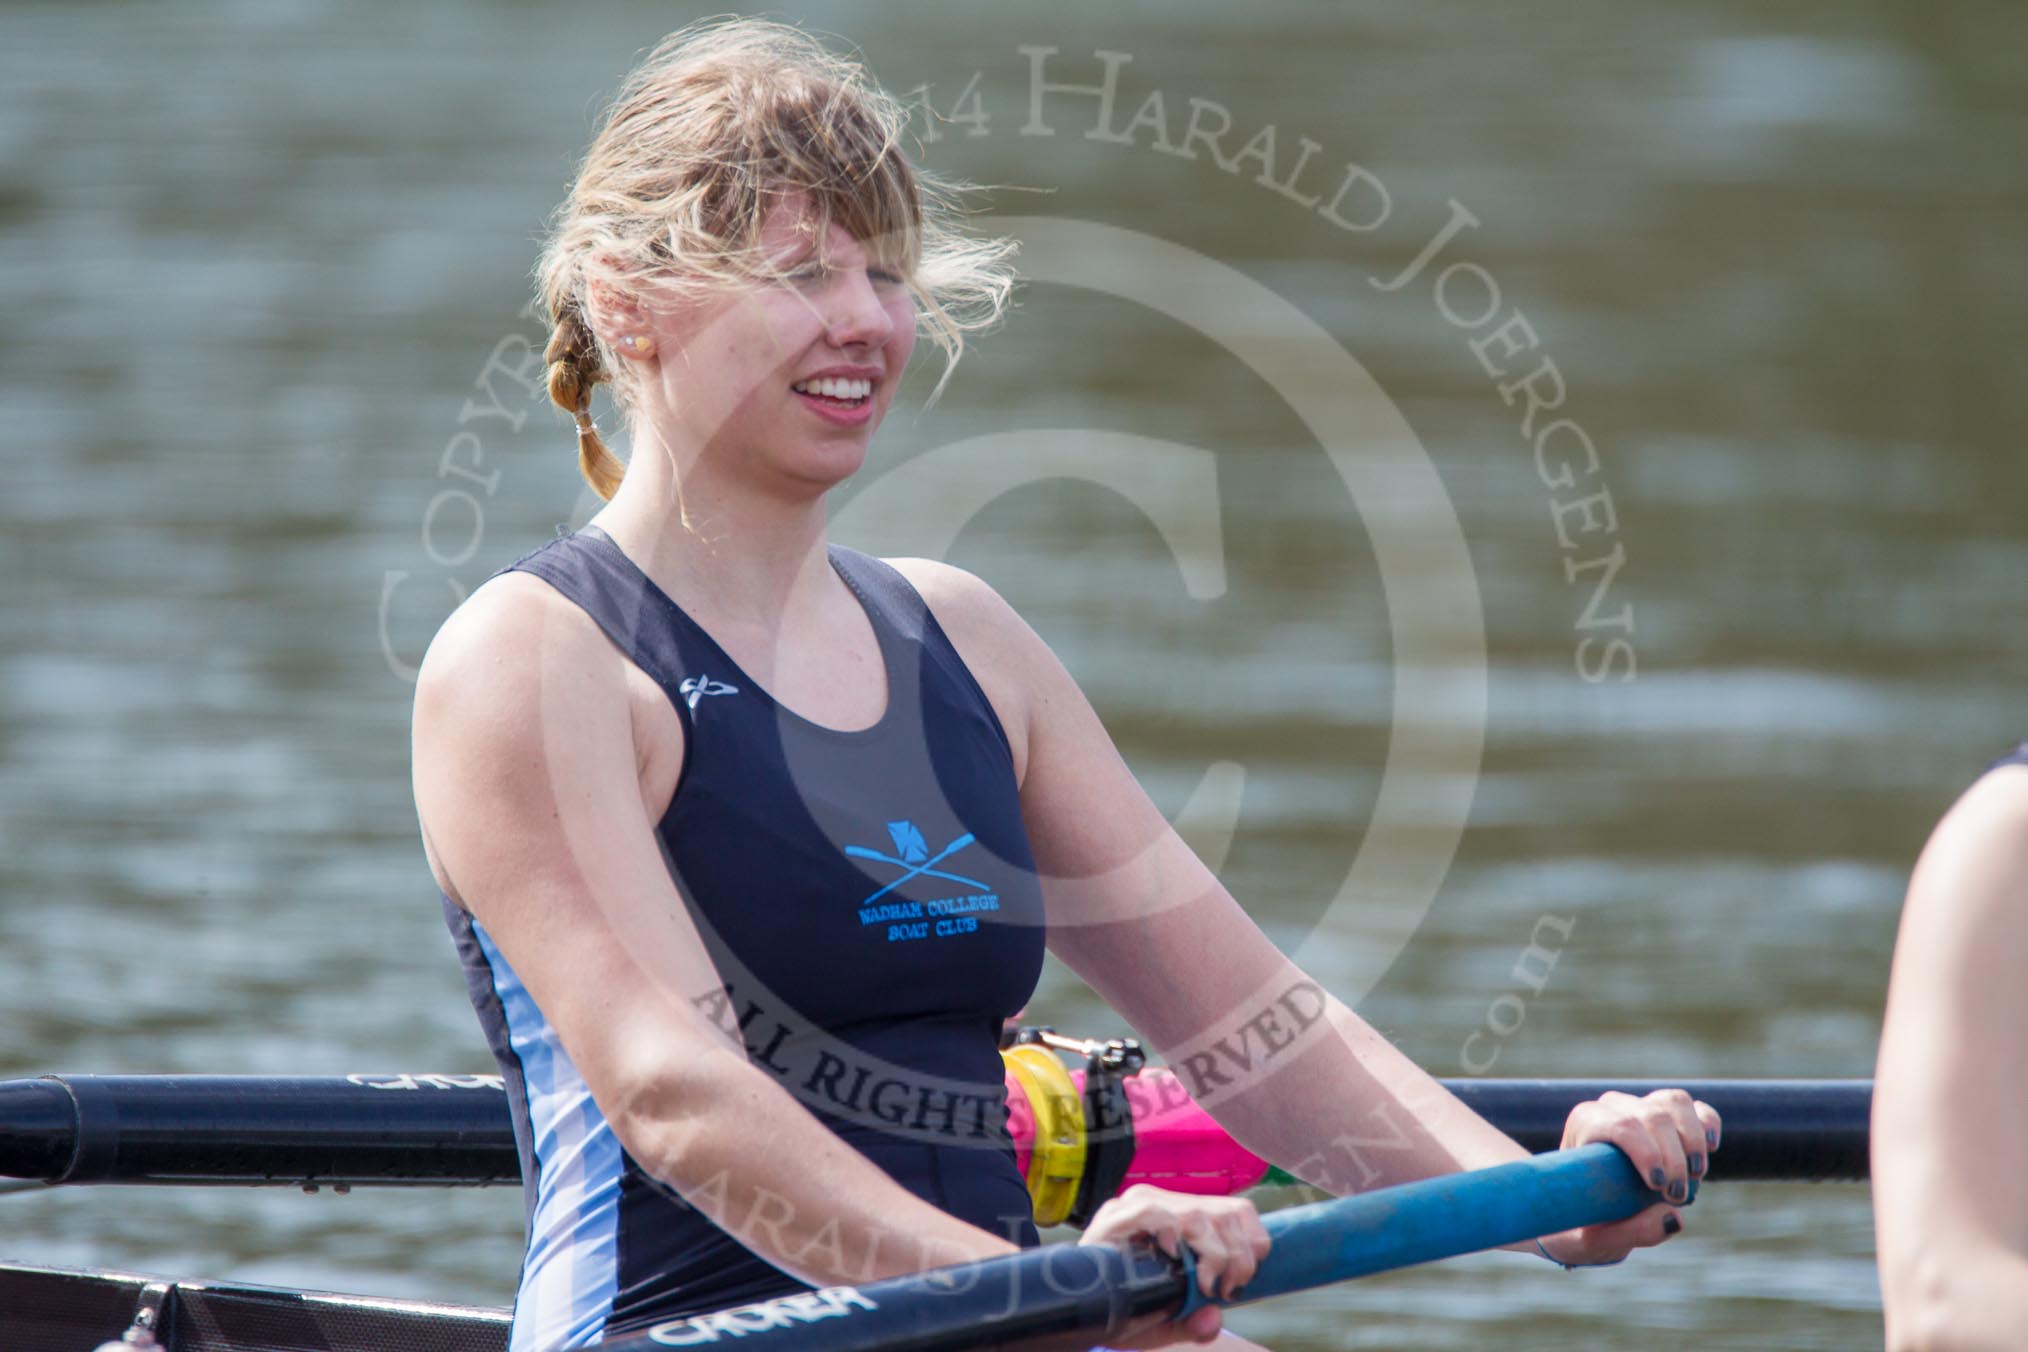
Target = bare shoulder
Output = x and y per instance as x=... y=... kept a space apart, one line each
x=1995 y=807
x=1976 y=860
x=1954 y=994
x=962 y=601
x=517 y=679
x=498 y=649
x=1006 y=657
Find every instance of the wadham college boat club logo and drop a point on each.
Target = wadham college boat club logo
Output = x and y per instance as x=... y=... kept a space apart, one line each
x=908 y=919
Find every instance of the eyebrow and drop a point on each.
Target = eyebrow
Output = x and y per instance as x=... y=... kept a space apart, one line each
x=813 y=254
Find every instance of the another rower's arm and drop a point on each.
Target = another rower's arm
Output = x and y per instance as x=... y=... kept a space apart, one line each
x=527 y=781
x=1950 y=1158
x=1291 y=1072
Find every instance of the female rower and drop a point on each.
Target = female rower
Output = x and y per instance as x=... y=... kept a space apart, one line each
x=1950 y=1095
x=750 y=842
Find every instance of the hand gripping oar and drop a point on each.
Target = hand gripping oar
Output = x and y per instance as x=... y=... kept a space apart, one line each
x=1442 y=1218
x=1094 y=1289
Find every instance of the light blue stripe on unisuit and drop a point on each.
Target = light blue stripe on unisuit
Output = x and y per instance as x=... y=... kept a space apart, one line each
x=570 y=1274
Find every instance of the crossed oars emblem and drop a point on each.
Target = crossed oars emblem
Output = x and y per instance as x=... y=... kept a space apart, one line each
x=915 y=858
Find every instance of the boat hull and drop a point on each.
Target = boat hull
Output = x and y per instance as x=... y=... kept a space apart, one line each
x=47 y=1309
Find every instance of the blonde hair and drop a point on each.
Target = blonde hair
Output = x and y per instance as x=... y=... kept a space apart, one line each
x=719 y=123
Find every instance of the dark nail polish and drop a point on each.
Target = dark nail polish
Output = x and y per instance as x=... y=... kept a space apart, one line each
x=1679 y=1191
x=1711 y=1140
x=1655 y=1175
x=1697 y=1165
x=1670 y=1225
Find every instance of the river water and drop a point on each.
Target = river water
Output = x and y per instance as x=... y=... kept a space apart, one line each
x=1686 y=712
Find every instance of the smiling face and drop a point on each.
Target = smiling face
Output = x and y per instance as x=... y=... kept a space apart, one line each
x=782 y=384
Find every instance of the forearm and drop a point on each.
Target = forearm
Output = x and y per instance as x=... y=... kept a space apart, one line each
x=769 y=1174
x=1348 y=1112
x=1287 y=1069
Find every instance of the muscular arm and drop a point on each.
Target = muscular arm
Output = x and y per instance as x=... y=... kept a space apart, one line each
x=529 y=788
x=1950 y=1157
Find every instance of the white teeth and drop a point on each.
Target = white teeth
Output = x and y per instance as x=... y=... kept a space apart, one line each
x=835 y=389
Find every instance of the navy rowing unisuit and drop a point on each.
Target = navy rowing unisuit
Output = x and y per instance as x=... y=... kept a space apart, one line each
x=870 y=901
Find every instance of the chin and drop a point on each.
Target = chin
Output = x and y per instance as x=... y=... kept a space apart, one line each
x=843 y=446
x=824 y=468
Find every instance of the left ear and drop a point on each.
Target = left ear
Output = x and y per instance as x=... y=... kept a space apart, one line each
x=621 y=320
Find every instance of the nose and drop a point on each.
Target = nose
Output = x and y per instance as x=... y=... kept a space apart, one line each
x=854 y=315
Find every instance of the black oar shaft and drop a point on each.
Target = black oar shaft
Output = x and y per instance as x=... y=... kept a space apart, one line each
x=1812 y=1131
x=365 y=1129
x=439 y=1130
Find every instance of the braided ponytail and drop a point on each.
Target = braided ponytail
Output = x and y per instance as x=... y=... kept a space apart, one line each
x=574 y=368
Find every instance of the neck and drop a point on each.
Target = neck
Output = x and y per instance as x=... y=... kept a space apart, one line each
x=715 y=544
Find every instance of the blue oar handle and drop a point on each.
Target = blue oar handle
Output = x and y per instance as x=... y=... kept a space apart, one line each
x=1441 y=1218
x=1087 y=1290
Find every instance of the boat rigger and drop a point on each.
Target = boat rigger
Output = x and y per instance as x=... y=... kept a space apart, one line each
x=437 y=1130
